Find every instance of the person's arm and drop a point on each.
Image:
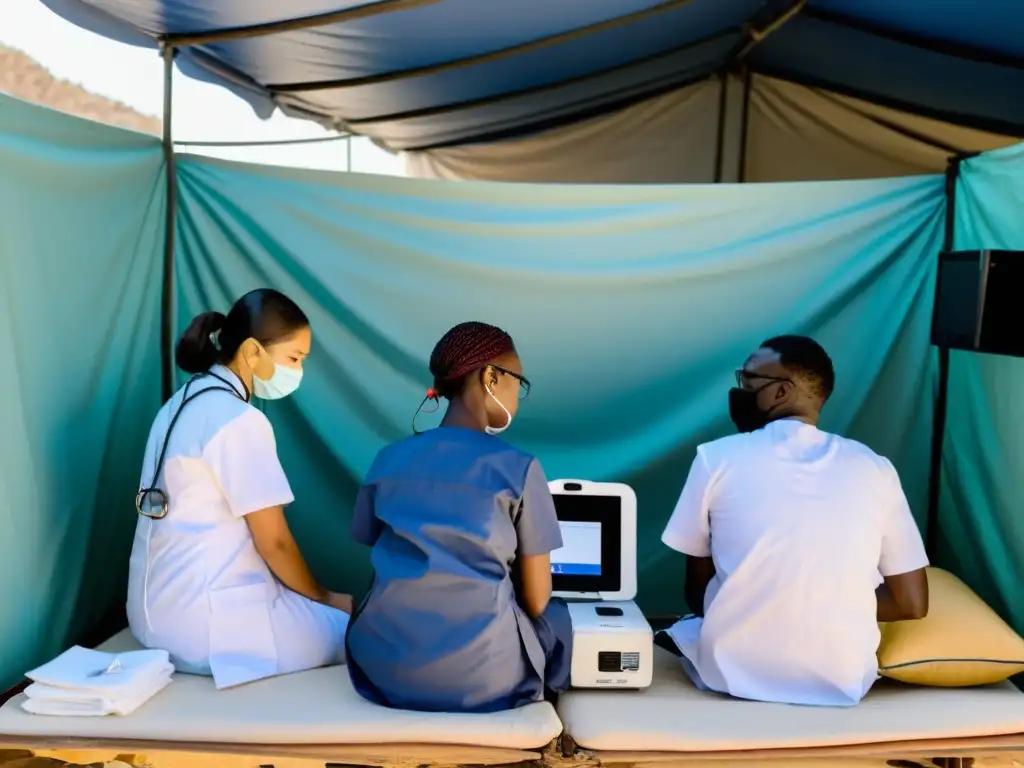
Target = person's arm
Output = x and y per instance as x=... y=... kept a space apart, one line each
x=535 y=574
x=365 y=528
x=903 y=595
x=242 y=457
x=276 y=545
x=689 y=531
x=538 y=535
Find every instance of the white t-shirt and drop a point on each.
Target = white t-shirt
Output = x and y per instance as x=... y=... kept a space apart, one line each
x=802 y=525
x=221 y=464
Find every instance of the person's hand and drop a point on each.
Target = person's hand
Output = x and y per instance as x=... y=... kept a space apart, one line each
x=339 y=601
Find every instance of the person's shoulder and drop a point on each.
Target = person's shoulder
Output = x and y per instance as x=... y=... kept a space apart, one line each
x=860 y=450
x=519 y=462
x=397 y=448
x=213 y=396
x=399 y=453
x=212 y=410
x=234 y=426
x=479 y=443
x=509 y=464
x=496 y=444
x=463 y=448
x=857 y=452
x=725 y=448
x=239 y=420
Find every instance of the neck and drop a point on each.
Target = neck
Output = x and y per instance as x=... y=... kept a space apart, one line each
x=459 y=415
x=797 y=415
x=805 y=418
x=244 y=377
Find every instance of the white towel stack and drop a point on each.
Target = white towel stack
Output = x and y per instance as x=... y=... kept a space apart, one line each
x=86 y=683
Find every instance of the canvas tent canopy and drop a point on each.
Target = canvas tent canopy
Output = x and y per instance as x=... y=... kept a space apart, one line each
x=614 y=90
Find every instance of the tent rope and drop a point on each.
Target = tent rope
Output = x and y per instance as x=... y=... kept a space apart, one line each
x=755 y=35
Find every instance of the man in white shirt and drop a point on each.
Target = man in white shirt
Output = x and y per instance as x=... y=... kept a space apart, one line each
x=797 y=541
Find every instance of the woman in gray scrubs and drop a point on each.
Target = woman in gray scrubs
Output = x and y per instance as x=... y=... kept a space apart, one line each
x=460 y=617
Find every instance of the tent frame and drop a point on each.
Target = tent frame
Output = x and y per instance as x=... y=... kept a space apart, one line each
x=170 y=214
x=769 y=17
x=942 y=395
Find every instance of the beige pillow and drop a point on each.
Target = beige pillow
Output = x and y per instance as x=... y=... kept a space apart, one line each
x=961 y=642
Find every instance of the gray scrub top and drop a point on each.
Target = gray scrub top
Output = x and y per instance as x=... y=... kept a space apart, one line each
x=447 y=512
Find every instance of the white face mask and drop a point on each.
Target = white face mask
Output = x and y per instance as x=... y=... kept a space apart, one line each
x=281 y=383
x=508 y=416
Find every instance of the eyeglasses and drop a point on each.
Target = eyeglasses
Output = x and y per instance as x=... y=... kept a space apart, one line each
x=524 y=383
x=747 y=377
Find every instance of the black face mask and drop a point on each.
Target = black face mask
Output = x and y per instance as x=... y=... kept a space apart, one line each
x=743 y=410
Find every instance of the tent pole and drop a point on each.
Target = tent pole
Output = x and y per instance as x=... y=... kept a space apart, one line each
x=265 y=143
x=723 y=98
x=744 y=123
x=170 y=211
x=939 y=415
x=362 y=11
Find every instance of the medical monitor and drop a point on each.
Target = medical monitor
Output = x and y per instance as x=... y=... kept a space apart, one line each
x=597 y=559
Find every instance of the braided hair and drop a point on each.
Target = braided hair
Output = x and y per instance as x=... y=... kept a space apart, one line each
x=464 y=349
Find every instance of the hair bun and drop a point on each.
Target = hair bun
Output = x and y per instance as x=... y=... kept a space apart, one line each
x=197 y=349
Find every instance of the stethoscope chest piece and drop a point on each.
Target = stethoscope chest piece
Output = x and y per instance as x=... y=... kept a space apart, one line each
x=151 y=503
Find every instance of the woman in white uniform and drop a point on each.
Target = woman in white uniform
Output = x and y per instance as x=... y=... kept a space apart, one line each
x=216 y=578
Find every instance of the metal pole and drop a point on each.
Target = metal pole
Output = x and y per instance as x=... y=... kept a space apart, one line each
x=348 y=154
x=939 y=414
x=745 y=123
x=723 y=101
x=266 y=143
x=170 y=209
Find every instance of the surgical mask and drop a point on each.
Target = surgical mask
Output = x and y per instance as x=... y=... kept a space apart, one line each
x=281 y=383
x=508 y=416
x=744 y=411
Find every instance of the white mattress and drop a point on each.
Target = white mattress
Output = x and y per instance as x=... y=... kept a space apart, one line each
x=673 y=716
x=314 y=707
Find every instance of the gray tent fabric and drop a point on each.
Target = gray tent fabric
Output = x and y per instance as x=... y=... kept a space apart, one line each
x=777 y=131
x=667 y=139
x=425 y=74
x=796 y=133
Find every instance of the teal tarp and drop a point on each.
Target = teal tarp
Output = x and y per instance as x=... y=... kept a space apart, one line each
x=81 y=220
x=631 y=306
x=982 y=477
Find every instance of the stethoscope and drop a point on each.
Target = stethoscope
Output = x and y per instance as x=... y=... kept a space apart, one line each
x=186 y=398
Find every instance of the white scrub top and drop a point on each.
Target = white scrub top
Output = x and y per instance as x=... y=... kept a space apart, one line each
x=197 y=587
x=801 y=525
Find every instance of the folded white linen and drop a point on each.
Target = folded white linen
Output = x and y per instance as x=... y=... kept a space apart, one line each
x=49 y=700
x=108 y=675
x=138 y=686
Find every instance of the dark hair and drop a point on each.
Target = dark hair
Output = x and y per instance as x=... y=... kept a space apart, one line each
x=264 y=314
x=807 y=359
x=464 y=349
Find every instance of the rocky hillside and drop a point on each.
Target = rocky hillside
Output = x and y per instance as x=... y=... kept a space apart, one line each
x=26 y=79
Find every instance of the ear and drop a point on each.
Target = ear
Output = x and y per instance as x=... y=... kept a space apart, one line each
x=489 y=377
x=250 y=350
x=784 y=391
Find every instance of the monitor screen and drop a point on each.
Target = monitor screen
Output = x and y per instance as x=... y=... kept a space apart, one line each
x=590 y=558
x=580 y=553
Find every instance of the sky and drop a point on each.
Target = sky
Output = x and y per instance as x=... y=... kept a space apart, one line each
x=202 y=112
